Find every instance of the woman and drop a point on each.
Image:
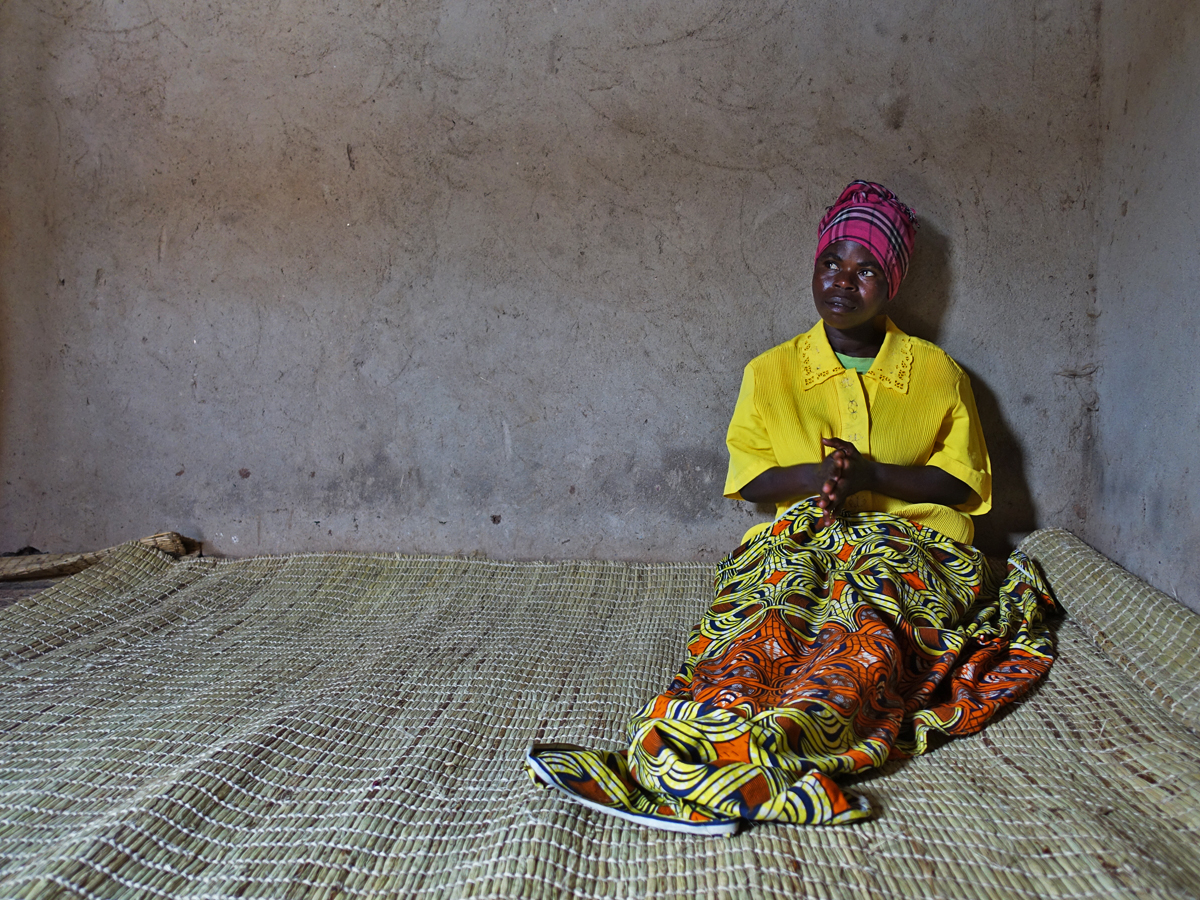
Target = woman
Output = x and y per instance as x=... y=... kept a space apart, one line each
x=861 y=620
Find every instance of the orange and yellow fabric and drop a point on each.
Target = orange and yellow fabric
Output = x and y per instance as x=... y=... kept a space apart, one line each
x=827 y=650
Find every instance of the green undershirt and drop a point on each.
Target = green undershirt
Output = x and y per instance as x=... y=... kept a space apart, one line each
x=859 y=364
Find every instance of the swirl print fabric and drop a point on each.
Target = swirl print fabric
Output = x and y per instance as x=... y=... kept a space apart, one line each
x=826 y=651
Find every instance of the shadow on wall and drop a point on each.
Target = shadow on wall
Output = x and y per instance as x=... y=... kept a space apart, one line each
x=924 y=301
x=924 y=296
x=1013 y=512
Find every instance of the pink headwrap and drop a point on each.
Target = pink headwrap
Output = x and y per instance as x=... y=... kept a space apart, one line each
x=871 y=215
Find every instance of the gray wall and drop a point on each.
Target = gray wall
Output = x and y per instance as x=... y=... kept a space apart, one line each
x=1147 y=457
x=460 y=277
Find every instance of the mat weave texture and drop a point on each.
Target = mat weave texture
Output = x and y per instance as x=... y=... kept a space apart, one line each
x=353 y=726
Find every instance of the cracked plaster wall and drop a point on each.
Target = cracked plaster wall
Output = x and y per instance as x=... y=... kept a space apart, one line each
x=459 y=277
x=1144 y=496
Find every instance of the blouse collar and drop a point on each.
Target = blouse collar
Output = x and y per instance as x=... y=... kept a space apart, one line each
x=892 y=367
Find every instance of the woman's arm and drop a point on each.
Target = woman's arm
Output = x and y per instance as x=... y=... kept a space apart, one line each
x=784 y=483
x=845 y=472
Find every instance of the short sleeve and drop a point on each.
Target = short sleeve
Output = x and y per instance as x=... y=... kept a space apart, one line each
x=750 y=450
x=960 y=450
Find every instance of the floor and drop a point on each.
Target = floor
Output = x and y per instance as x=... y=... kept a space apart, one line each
x=12 y=591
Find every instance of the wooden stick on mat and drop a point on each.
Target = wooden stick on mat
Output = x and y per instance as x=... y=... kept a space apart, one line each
x=53 y=565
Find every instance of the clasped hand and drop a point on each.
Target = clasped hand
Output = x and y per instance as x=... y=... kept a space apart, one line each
x=843 y=472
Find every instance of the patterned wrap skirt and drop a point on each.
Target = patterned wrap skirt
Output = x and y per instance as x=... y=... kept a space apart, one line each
x=826 y=651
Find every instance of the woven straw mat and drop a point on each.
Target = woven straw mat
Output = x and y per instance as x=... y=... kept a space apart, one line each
x=353 y=726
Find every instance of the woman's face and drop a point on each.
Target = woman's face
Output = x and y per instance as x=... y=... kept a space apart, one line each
x=849 y=286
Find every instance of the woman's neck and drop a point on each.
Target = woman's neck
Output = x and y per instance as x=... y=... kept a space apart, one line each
x=864 y=340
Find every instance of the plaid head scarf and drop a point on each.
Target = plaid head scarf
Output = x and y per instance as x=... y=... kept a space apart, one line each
x=871 y=215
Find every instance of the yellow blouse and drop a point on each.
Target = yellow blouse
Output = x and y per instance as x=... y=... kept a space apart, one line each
x=914 y=407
